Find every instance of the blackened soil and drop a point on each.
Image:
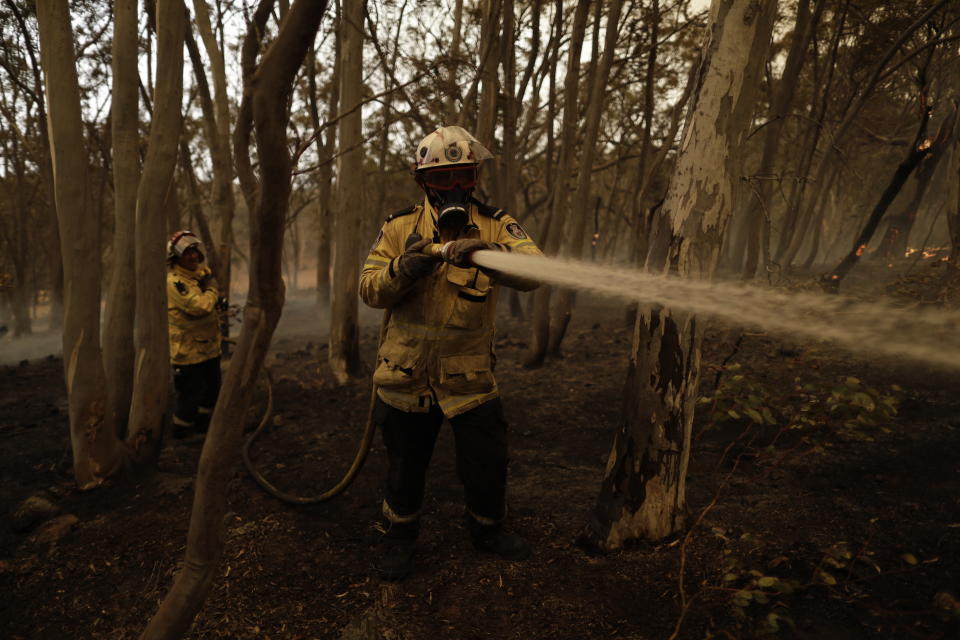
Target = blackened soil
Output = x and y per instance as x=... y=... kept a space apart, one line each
x=833 y=529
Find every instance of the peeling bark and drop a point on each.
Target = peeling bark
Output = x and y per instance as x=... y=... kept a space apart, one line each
x=643 y=493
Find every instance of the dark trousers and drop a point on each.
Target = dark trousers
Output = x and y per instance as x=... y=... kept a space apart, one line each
x=197 y=387
x=480 y=436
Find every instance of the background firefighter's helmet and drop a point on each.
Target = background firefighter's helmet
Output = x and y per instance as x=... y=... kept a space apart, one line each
x=449 y=146
x=181 y=241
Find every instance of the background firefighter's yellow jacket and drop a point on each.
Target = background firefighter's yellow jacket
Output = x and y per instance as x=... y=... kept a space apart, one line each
x=439 y=339
x=192 y=317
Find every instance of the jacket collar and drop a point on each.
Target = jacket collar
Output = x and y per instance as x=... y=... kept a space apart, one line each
x=186 y=273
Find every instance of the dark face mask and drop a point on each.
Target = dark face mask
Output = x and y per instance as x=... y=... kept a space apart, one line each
x=452 y=206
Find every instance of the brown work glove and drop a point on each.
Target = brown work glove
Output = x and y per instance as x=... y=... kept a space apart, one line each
x=458 y=252
x=413 y=263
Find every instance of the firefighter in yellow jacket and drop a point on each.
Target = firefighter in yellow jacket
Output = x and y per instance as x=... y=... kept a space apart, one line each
x=192 y=303
x=436 y=360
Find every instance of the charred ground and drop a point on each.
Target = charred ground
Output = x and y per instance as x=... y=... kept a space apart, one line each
x=828 y=515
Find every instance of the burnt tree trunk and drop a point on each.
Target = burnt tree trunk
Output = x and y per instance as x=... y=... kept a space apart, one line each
x=893 y=245
x=643 y=493
x=918 y=151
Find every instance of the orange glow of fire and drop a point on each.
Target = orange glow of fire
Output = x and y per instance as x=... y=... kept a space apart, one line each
x=926 y=254
x=860 y=250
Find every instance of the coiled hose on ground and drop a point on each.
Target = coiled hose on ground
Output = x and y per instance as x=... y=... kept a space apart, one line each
x=365 y=441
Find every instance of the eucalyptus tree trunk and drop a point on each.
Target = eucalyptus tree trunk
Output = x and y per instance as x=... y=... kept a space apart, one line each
x=574 y=240
x=200 y=221
x=822 y=211
x=51 y=229
x=326 y=146
x=811 y=215
x=491 y=17
x=652 y=25
x=270 y=88
x=758 y=215
x=507 y=162
x=97 y=452
x=552 y=231
x=221 y=196
x=152 y=369
x=819 y=103
x=450 y=110
x=344 y=340
x=118 y=351
x=643 y=493
x=18 y=237
x=644 y=216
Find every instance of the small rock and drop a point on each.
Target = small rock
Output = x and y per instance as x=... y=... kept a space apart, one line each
x=55 y=530
x=33 y=511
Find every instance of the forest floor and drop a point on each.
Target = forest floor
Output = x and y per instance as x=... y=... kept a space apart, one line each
x=825 y=488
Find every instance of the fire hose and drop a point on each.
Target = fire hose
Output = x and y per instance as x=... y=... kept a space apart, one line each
x=365 y=440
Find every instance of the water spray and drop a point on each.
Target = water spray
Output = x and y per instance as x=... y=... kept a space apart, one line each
x=928 y=336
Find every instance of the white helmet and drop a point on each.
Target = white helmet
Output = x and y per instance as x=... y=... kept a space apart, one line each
x=449 y=146
x=181 y=241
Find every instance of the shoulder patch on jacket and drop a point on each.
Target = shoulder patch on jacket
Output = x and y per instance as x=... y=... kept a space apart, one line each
x=180 y=287
x=490 y=212
x=402 y=212
x=516 y=231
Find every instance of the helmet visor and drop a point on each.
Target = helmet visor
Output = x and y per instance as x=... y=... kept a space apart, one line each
x=446 y=178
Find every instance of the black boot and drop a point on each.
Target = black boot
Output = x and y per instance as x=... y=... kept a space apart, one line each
x=182 y=429
x=398 y=549
x=498 y=540
x=203 y=421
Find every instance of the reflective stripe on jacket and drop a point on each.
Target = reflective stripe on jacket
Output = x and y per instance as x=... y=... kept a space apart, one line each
x=191 y=317
x=438 y=345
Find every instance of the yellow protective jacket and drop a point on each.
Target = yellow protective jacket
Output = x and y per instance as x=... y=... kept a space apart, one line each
x=438 y=346
x=192 y=317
